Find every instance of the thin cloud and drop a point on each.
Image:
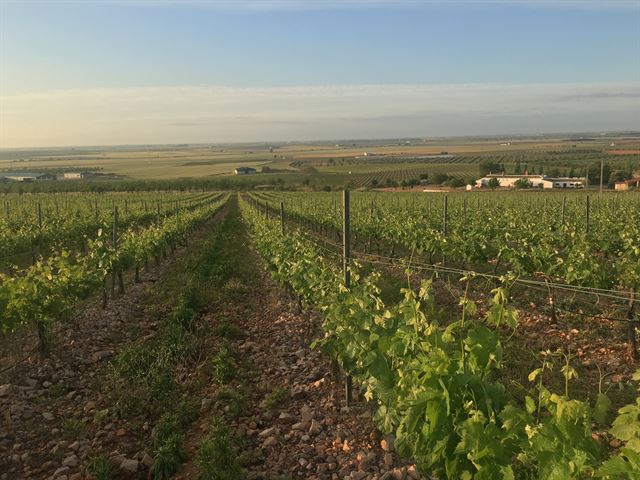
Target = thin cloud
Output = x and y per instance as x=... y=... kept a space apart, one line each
x=201 y=114
x=599 y=96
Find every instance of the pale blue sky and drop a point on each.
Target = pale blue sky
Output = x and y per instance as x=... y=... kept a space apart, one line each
x=113 y=72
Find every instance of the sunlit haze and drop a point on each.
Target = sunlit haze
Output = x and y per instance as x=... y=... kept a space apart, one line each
x=105 y=73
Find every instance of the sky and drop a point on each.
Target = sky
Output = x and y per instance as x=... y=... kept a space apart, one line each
x=140 y=72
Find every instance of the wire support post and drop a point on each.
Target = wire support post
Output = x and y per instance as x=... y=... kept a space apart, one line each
x=631 y=327
x=282 y=218
x=346 y=256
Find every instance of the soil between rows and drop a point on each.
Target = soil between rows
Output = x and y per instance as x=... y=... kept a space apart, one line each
x=292 y=424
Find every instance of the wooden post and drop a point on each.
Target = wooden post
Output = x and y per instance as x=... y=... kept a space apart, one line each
x=464 y=216
x=564 y=208
x=552 y=300
x=445 y=216
x=346 y=255
x=114 y=233
x=39 y=216
x=631 y=329
x=114 y=239
x=588 y=213
x=117 y=274
x=282 y=217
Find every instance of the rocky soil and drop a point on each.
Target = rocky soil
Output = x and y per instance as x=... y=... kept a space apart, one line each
x=53 y=409
x=309 y=432
x=289 y=415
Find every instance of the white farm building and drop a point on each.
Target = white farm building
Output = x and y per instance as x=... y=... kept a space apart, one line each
x=537 y=181
x=73 y=175
x=244 y=171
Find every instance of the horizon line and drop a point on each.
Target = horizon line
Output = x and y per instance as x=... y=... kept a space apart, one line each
x=600 y=133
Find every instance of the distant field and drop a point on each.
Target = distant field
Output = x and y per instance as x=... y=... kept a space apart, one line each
x=153 y=164
x=335 y=163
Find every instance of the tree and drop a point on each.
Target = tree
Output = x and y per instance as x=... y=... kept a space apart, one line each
x=594 y=173
x=618 y=176
x=493 y=183
x=455 y=183
x=487 y=166
x=439 y=178
x=518 y=170
x=523 y=183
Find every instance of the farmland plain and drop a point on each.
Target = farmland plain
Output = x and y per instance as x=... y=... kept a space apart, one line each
x=352 y=163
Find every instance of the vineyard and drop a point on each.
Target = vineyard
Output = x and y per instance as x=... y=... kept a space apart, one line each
x=76 y=244
x=434 y=383
x=372 y=170
x=472 y=335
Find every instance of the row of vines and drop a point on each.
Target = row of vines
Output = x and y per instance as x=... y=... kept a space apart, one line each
x=46 y=290
x=34 y=224
x=554 y=236
x=435 y=385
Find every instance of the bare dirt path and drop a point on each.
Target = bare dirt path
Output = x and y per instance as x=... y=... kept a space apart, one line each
x=284 y=407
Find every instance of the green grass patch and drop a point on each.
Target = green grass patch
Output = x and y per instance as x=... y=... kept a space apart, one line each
x=100 y=468
x=217 y=458
x=276 y=397
x=73 y=428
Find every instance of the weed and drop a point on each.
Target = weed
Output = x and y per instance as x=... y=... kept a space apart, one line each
x=168 y=441
x=100 y=415
x=221 y=368
x=217 y=458
x=228 y=330
x=193 y=298
x=161 y=383
x=100 y=468
x=168 y=425
x=169 y=457
x=187 y=411
x=57 y=390
x=183 y=316
x=235 y=289
x=235 y=400
x=131 y=400
x=277 y=396
x=72 y=428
